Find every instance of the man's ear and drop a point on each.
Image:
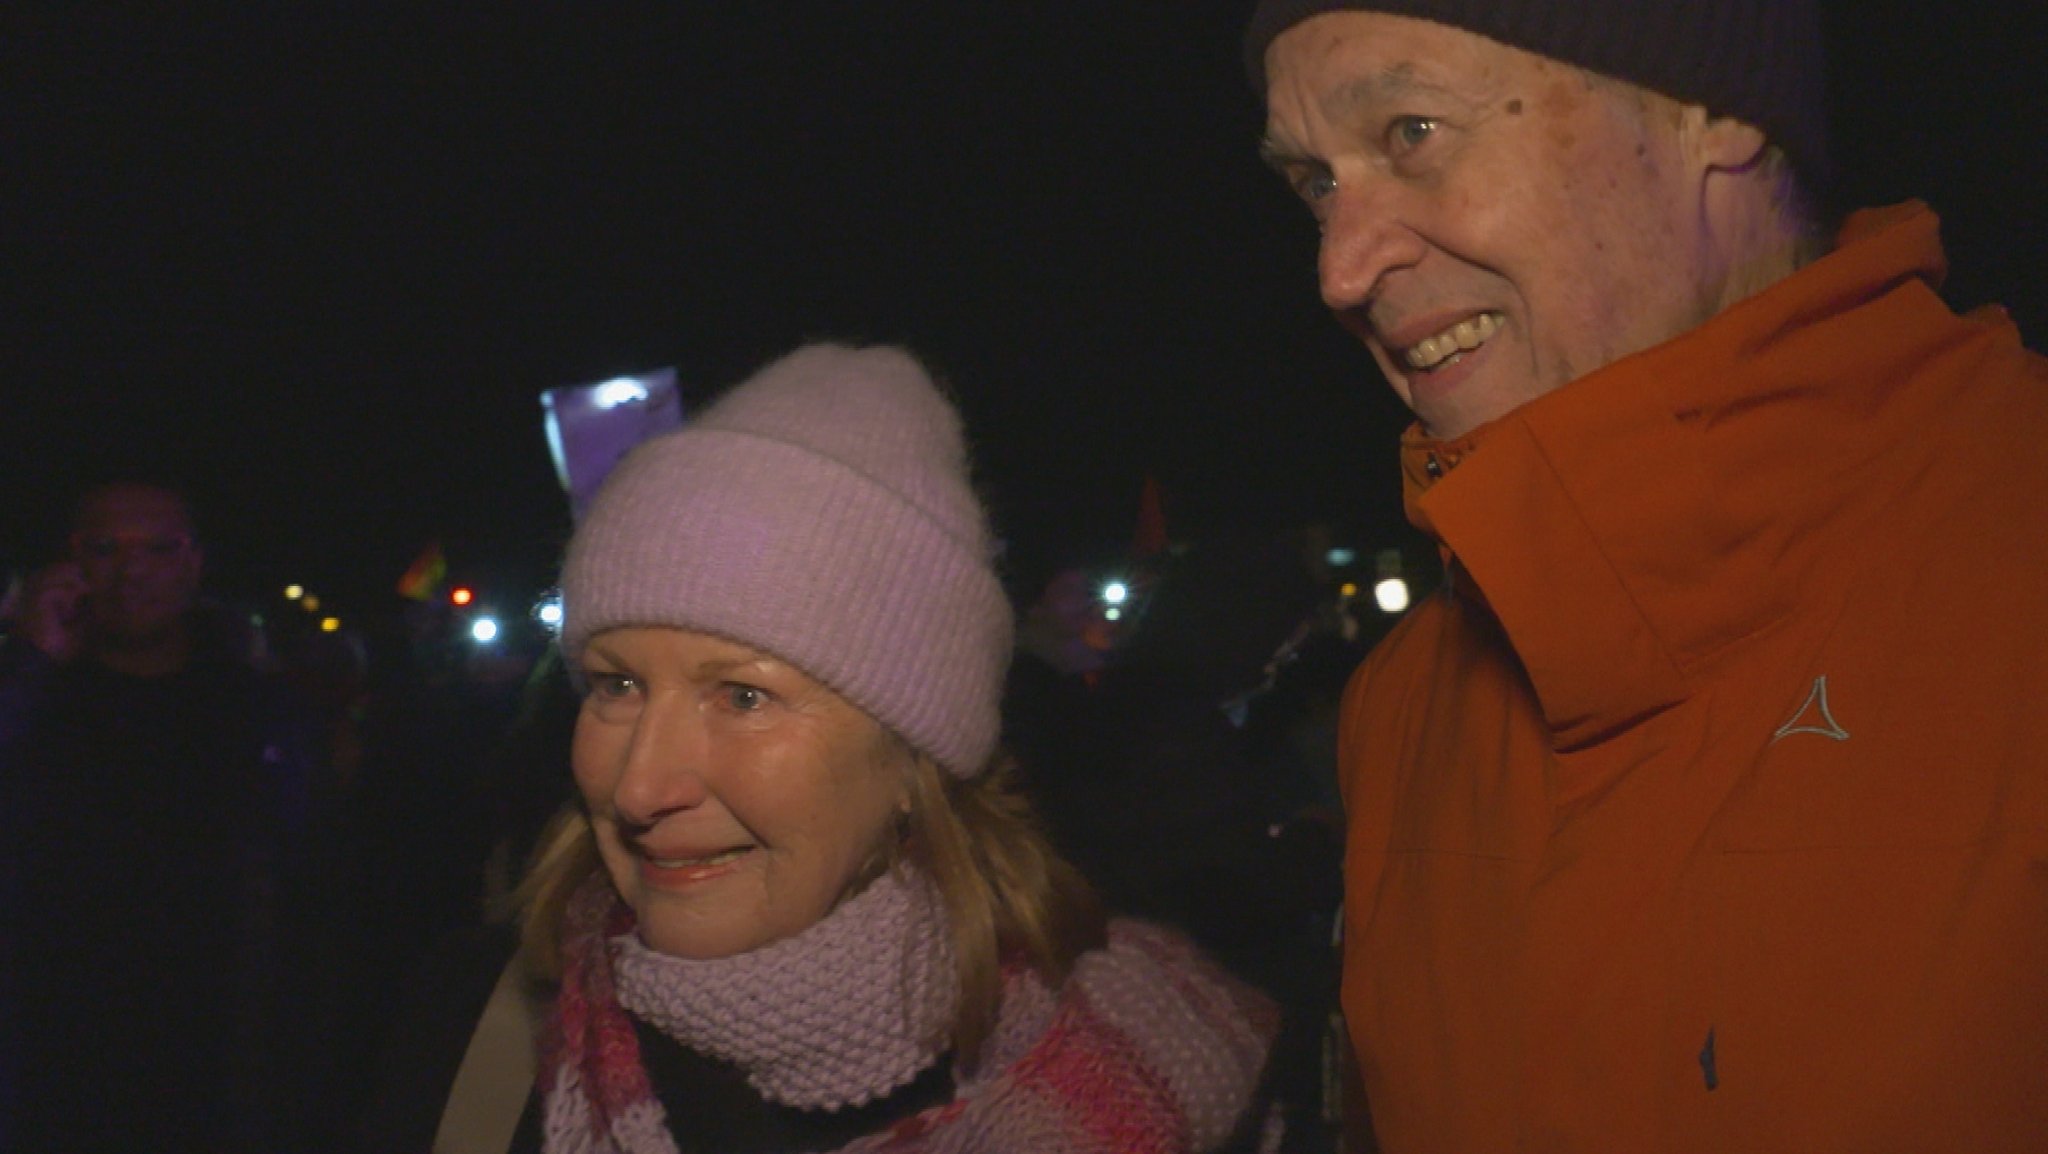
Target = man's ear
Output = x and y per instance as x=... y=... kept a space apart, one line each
x=1722 y=142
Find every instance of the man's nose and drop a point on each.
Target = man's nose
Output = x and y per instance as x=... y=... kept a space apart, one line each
x=142 y=554
x=1366 y=236
x=130 y=564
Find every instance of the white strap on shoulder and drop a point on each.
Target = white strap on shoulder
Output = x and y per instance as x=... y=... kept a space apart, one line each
x=498 y=1069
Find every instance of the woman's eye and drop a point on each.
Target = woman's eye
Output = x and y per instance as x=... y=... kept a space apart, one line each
x=745 y=698
x=1409 y=132
x=610 y=686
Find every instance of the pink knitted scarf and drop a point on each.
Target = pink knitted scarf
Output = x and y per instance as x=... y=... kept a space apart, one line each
x=1147 y=1047
x=844 y=1012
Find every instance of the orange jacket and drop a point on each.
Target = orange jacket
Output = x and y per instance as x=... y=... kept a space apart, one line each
x=1707 y=807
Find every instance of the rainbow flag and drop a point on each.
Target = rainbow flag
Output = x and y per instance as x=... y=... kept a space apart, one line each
x=422 y=579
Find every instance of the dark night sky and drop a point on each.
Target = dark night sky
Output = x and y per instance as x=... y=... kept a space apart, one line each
x=323 y=262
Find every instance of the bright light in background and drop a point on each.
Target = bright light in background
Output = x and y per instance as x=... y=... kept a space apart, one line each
x=485 y=630
x=620 y=391
x=1115 y=593
x=461 y=595
x=1112 y=613
x=1390 y=591
x=330 y=625
x=294 y=592
x=548 y=611
x=1392 y=595
x=1340 y=557
x=1348 y=589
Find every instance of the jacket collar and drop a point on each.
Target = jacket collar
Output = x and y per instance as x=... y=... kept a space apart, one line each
x=1631 y=526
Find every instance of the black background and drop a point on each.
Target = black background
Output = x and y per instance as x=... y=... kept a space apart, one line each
x=322 y=261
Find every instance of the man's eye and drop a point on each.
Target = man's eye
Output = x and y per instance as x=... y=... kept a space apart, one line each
x=162 y=548
x=1408 y=132
x=1315 y=186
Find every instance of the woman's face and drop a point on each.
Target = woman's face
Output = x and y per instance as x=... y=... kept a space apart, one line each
x=736 y=801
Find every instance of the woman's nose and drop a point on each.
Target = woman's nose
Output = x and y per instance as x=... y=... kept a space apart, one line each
x=666 y=764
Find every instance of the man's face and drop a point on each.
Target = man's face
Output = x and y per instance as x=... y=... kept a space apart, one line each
x=1494 y=223
x=134 y=545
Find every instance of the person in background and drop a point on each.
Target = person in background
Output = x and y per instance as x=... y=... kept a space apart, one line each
x=796 y=905
x=153 y=791
x=1705 y=807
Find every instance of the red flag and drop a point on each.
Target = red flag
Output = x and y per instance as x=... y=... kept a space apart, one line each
x=1151 y=535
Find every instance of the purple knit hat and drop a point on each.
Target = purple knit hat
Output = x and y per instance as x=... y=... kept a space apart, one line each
x=1761 y=61
x=821 y=512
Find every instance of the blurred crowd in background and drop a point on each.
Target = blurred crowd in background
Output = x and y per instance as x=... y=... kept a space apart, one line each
x=233 y=829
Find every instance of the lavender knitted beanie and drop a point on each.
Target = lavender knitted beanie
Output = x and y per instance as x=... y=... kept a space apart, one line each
x=1761 y=61
x=821 y=512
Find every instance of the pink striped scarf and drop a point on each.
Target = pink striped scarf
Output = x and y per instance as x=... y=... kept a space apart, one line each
x=1147 y=1047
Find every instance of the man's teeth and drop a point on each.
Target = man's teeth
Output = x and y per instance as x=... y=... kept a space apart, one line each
x=677 y=863
x=1468 y=334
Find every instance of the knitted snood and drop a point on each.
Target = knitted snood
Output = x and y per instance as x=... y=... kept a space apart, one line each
x=844 y=1012
x=1146 y=1047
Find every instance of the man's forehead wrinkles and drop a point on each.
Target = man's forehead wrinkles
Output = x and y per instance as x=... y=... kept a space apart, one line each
x=1377 y=87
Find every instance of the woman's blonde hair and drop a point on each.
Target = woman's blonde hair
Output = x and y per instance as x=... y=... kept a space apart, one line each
x=1009 y=897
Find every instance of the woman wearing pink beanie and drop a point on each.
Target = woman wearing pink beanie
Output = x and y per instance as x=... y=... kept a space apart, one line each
x=796 y=907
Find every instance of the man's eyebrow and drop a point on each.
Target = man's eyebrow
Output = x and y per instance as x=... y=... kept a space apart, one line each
x=1281 y=157
x=1393 y=83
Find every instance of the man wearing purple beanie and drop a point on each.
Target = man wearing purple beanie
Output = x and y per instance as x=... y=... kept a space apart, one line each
x=1704 y=807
